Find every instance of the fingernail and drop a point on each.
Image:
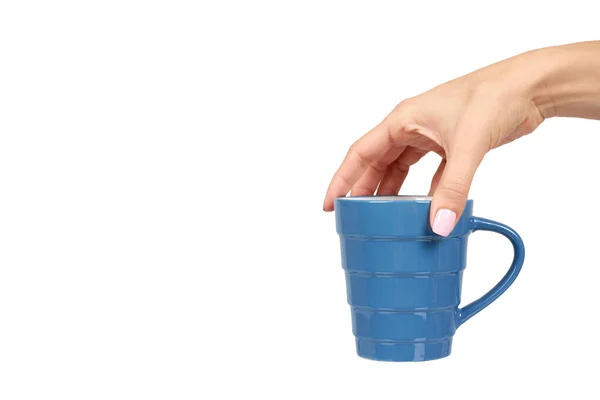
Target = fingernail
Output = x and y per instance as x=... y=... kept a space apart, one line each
x=443 y=223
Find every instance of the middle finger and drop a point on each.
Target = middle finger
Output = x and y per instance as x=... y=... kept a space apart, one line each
x=367 y=184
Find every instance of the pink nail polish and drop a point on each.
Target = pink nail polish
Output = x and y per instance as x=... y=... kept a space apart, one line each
x=443 y=223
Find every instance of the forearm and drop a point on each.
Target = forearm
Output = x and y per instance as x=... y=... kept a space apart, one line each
x=568 y=80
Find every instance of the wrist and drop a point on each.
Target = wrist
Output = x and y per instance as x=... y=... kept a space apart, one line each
x=565 y=80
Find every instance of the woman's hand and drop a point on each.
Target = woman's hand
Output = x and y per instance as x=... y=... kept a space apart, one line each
x=461 y=121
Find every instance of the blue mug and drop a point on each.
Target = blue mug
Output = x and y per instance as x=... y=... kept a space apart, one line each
x=404 y=281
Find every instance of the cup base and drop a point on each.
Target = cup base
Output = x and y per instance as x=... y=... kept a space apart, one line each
x=403 y=352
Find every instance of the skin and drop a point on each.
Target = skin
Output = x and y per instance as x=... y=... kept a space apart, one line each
x=465 y=118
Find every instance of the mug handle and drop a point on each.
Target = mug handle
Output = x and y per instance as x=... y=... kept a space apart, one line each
x=482 y=224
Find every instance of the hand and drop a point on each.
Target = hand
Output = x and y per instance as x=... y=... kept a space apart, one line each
x=460 y=120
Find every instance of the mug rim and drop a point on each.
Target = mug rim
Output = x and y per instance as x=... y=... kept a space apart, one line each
x=388 y=199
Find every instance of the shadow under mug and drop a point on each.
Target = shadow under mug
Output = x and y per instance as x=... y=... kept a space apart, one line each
x=403 y=281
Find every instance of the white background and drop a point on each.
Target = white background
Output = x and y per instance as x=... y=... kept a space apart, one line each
x=162 y=168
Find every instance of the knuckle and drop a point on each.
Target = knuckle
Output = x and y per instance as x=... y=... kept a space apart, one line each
x=354 y=152
x=352 y=148
x=456 y=189
x=402 y=167
x=406 y=104
x=344 y=179
x=379 y=166
x=531 y=124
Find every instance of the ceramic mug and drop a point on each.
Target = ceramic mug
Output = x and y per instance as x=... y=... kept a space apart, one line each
x=404 y=281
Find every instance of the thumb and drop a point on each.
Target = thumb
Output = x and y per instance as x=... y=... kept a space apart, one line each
x=452 y=192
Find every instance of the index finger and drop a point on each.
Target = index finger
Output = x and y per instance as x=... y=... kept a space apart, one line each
x=362 y=153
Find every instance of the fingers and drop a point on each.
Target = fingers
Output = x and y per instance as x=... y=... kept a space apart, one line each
x=398 y=171
x=368 y=182
x=436 y=177
x=452 y=189
x=360 y=157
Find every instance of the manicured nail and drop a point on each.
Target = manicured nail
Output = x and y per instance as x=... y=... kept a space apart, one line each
x=443 y=223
